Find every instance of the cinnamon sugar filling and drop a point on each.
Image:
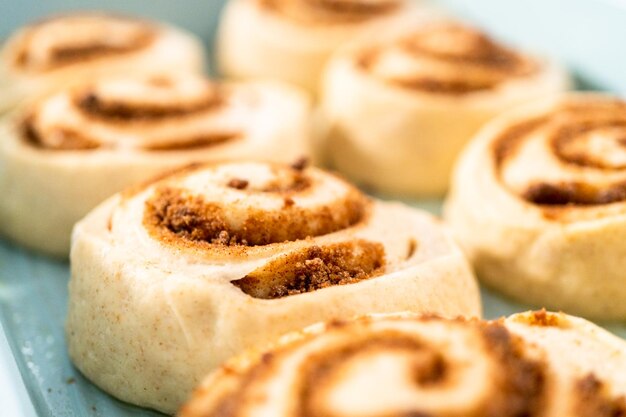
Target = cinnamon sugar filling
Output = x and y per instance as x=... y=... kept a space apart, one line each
x=193 y=142
x=574 y=193
x=91 y=104
x=523 y=386
x=439 y=86
x=70 y=51
x=543 y=318
x=480 y=52
x=126 y=117
x=566 y=138
x=356 y=9
x=314 y=268
x=173 y=213
x=569 y=130
x=518 y=385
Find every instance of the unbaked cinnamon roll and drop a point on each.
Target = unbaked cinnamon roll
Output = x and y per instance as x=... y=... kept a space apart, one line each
x=531 y=364
x=546 y=187
x=400 y=106
x=66 y=49
x=291 y=40
x=62 y=155
x=171 y=279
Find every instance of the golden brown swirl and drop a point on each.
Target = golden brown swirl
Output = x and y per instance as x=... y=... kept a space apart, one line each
x=247 y=210
x=199 y=218
x=148 y=113
x=315 y=268
x=445 y=58
x=382 y=367
x=573 y=155
x=70 y=39
x=331 y=11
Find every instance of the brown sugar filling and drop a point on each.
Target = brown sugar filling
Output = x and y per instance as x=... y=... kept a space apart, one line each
x=126 y=116
x=543 y=318
x=356 y=8
x=323 y=370
x=481 y=52
x=93 y=105
x=518 y=387
x=564 y=136
x=67 y=139
x=522 y=390
x=193 y=142
x=238 y=183
x=63 y=55
x=171 y=212
x=438 y=86
x=565 y=125
x=314 y=268
x=70 y=54
x=574 y=193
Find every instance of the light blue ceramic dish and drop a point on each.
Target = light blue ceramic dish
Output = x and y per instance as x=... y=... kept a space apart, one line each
x=36 y=377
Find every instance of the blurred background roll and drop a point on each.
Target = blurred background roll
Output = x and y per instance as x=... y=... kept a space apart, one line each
x=63 y=154
x=291 y=40
x=64 y=49
x=400 y=104
x=538 y=201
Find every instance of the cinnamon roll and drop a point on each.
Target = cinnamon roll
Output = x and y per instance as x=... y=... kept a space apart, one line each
x=62 y=155
x=531 y=364
x=171 y=279
x=291 y=40
x=545 y=186
x=399 y=107
x=64 y=49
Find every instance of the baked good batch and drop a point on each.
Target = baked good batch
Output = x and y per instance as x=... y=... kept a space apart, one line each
x=62 y=155
x=75 y=47
x=291 y=39
x=531 y=364
x=539 y=203
x=400 y=104
x=209 y=246
x=172 y=278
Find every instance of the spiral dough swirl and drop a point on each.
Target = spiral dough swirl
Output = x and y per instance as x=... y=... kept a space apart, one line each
x=57 y=42
x=399 y=366
x=245 y=209
x=445 y=58
x=580 y=145
x=144 y=113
